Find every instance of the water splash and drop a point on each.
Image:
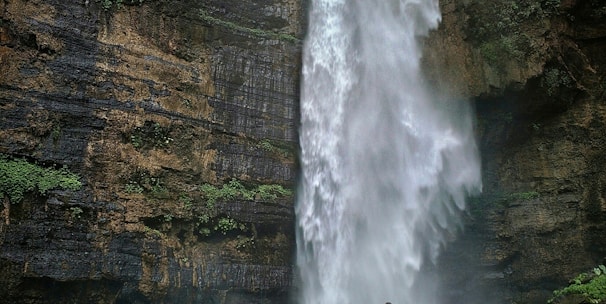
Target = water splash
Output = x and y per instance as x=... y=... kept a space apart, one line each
x=386 y=167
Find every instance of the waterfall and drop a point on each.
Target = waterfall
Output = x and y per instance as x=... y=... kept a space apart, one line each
x=386 y=165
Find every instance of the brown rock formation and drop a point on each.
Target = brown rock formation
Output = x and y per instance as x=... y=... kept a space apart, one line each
x=150 y=101
x=147 y=102
x=536 y=72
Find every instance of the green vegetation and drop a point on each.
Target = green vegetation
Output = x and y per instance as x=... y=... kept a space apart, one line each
x=209 y=220
x=245 y=242
x=592 y=286
x=186 y=201
x=234 y=189
x=151 y=231
x=276 y=147
x=76 y=212
x=206 y=218
x=272 y=192
x=141 y=182
x=133 y=187
x=17 y=177
x=508 y=15
x=109 y=4
x=246 y=30
x=230 y=190
x=226 y=224
x=266 y=145
x=203 y=224
x=207 y=224
x=497 y=28
x=136 y=141
x=158 y=190
x=150 y=135
x=56 y=133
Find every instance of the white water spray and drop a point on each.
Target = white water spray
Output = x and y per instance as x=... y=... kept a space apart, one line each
x=386 y=167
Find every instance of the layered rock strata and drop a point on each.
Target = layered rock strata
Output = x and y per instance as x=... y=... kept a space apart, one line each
x=156 y=105
x=536 y=73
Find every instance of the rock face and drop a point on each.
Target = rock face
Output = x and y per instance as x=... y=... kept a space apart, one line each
x=156 y=105
x=180 y=118
x=536 y=73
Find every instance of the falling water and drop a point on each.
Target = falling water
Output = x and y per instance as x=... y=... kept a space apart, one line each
x=386 y=165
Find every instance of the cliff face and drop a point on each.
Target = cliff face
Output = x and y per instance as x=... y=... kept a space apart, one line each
x=536 y=73
x=180 y=118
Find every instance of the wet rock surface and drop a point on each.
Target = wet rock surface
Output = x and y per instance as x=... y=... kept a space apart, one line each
x=537 y=81
x=147 y=102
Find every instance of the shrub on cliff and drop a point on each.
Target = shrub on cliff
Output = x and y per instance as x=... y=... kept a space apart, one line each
x=18 y=176
x=591 y=286
x=235 y=190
